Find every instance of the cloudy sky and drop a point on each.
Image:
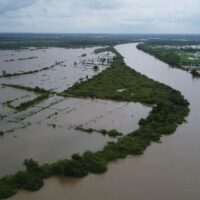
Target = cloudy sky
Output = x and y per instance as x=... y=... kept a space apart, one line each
x=100 y=16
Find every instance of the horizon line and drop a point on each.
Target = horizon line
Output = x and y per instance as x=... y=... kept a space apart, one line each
x=108 y=33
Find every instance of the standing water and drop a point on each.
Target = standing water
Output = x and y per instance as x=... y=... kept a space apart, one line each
x=166 y=171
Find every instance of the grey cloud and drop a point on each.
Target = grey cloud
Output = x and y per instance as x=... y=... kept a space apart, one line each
x=98 y=4
x=100 y=15
x=14 y=5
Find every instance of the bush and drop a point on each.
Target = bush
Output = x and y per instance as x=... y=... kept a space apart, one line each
x=94 y=163
x=7 y=187
x=114 y=133
x=74 y=169
x=28 y=180
x=31 y=165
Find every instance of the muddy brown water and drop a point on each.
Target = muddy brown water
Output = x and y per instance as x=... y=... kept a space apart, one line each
x=58 y=78
x=38 y=132
x=46 y=144
x=166 y=171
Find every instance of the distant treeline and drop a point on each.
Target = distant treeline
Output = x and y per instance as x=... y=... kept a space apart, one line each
x=176 y=42
x=19 y=41
x=25 y=40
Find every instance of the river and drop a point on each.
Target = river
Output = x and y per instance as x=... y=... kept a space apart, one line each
x=166 y=171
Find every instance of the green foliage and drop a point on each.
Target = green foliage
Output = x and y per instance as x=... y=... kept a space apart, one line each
x=30 y=103
x=31 y=165
x=76 y=156
x=74 y=168
x=165 y=55
x=46 y=170
x=87 y=130
x=40 y=41
x=179 y=58
x=94 y=163
x=8 y=187
x=29 y=180
x=172 y=58
x=111 y=133
x=44 y=95
x=71 y=168
x=127 y=145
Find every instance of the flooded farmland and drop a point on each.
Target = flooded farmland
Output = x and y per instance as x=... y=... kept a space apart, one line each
x=46 y=131
x=166 y=171
x=53 y=68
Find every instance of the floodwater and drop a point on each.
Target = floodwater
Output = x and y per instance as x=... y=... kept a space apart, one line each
x=15 y=97
x=46 y=132
x=49 y=134
x=72 y=66
x=166 y=171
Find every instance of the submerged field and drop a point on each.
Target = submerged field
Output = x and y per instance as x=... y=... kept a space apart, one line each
x=41 y=124
x=58 y=116
x=51 y=68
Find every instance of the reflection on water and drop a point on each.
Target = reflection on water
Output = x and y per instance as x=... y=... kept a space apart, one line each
x=166 y=171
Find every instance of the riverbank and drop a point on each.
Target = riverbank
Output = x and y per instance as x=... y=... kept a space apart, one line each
x=172 y=58
x=170 y=109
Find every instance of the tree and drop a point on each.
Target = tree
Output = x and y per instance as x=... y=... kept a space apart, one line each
x=31 y=165
x=95 y=67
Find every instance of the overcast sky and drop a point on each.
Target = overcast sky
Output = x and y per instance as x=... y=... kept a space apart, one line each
x=100 y=16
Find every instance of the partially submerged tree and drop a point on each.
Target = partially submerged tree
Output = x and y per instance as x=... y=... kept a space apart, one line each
x=95 y=67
